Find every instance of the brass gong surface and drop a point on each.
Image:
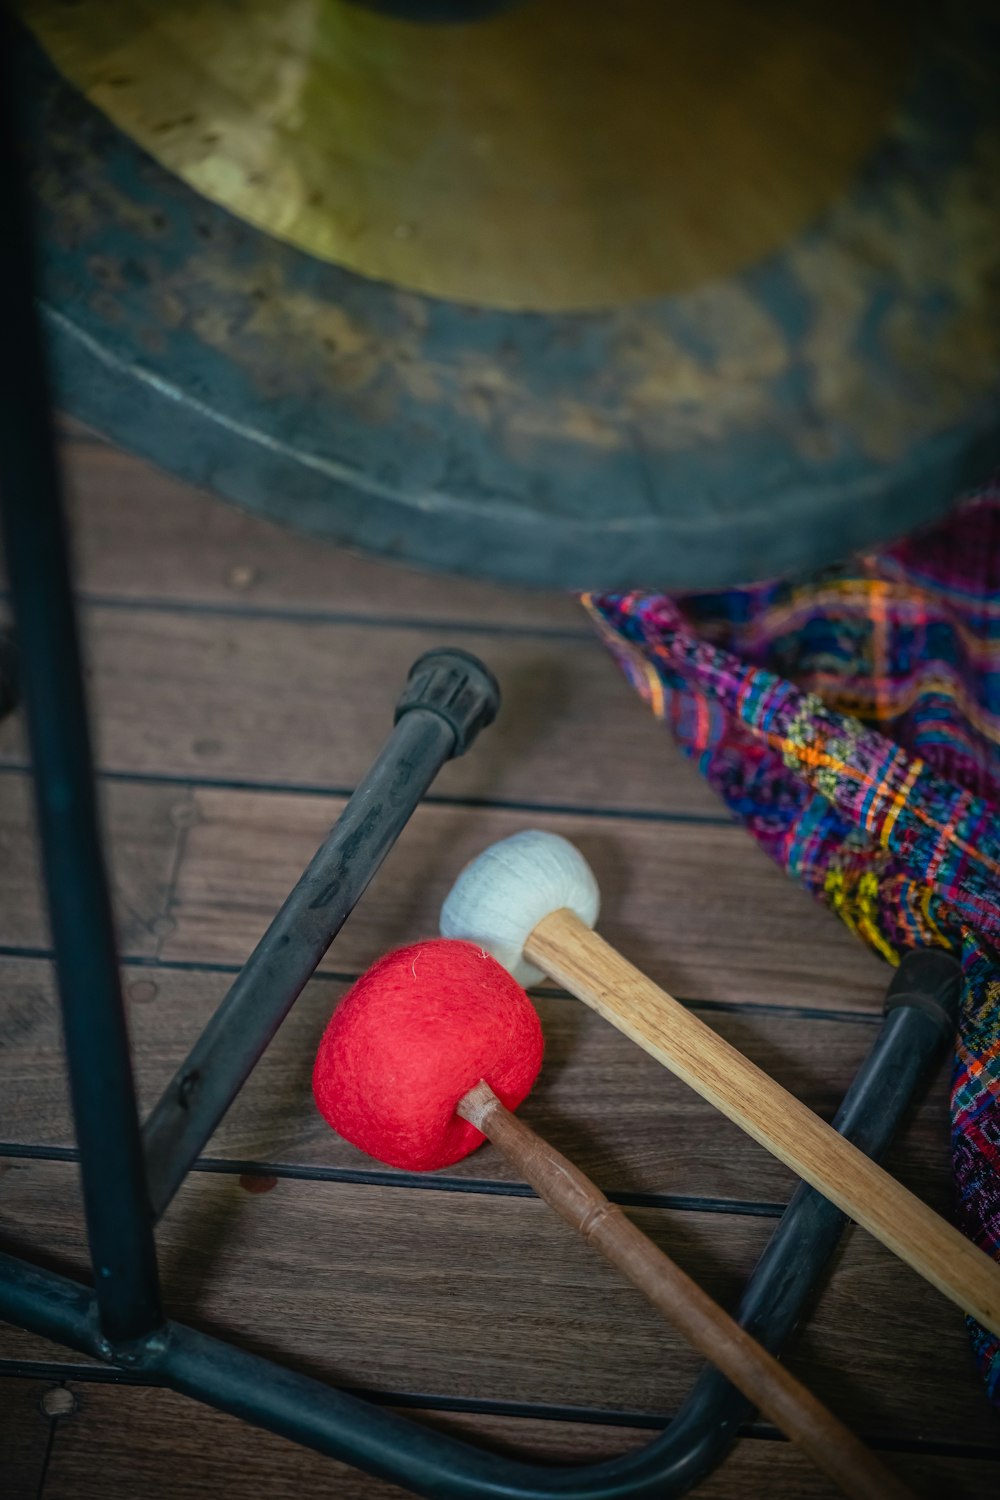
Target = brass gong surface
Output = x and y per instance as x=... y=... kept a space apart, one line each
x=557 y=155
x=832 y=390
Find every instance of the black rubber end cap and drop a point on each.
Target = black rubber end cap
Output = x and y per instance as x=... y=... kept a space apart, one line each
x=457 y=687
x=930 y=980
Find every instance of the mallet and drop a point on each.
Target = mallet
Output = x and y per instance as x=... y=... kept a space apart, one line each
x=428 y=1053
x=531 y=900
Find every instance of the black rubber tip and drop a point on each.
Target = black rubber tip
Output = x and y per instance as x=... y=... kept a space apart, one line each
x=457 y=687
x=929 y=980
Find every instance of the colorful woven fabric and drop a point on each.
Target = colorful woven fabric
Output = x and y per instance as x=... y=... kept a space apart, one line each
x=852 y=723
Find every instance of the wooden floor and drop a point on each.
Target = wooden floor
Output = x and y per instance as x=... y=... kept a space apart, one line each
x=242 y=680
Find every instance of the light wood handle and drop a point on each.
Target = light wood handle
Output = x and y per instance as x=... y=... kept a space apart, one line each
x=782 y=1398
x=587 y=966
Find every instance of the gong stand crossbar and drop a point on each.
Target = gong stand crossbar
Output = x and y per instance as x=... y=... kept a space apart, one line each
x=129 y=1173
x=448 y=696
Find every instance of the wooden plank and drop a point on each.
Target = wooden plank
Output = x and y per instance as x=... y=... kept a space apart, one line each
x=700 y=909
x=247 y=675
x=140 y=533
x=144 y=826
x=305 y=703
x=466 y=1295
x=604 y=1103
x=24 y=1438
x=126 y=1441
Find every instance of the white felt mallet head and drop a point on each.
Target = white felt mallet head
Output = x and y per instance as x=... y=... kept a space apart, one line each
x=500 y=898
x=533 y=899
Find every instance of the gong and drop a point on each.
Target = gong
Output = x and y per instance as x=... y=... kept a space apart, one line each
x=580 y=295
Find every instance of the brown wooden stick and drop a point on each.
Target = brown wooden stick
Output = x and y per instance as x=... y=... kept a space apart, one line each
x=782 y=1398
x=587 y=966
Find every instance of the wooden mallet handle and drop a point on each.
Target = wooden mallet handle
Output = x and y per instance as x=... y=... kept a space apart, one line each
x=583 y=963
x=830 y=1445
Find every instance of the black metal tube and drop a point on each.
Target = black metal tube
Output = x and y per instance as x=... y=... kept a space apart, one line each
x=449 y=697
x=920 y=1020
x=444 y=1468
x=119 y=1224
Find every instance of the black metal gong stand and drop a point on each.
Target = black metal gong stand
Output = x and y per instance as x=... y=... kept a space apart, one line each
x=130 y=1172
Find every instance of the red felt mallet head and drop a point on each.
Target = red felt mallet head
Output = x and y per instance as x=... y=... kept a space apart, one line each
x=415 y=1039
x=411 y=1038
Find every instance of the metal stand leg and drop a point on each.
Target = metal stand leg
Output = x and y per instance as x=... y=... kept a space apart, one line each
x=119 y=1223
x=449 y=697
x=696 y=1441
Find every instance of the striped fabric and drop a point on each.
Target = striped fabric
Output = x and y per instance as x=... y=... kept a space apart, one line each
x=852 y=723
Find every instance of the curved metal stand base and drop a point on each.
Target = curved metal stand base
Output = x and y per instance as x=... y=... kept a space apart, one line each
x=129 y=1175
x=348 y=1428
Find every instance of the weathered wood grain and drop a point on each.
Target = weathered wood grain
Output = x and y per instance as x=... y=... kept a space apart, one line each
x=24 y=1438
x=701 y=909
x=142 y=534
x=143 y=829
x=140 y=1440
x=602 y=1101
x=355 y=1284
x=308 y=703
x=222 y=649
x=200 y=874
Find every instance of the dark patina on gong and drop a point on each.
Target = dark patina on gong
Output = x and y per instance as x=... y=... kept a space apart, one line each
x=839 y=389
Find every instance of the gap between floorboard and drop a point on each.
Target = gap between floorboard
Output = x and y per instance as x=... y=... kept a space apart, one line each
x=421 y=1401
x=338 y=976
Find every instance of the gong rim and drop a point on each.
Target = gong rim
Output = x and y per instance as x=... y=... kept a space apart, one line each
x=218 y=403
